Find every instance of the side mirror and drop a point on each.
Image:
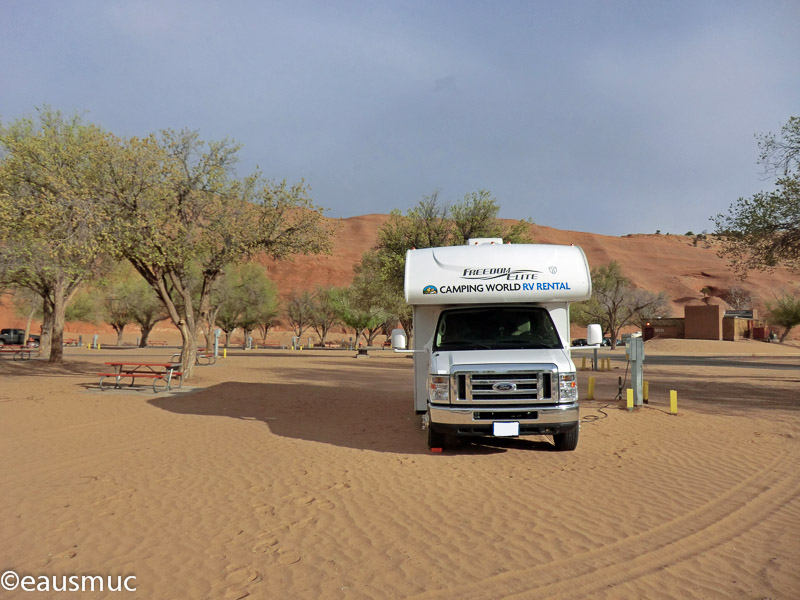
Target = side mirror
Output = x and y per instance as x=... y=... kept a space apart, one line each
x=594 y=335
x=398 y=339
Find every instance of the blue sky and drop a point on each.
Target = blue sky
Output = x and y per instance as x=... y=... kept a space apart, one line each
x=612 y=117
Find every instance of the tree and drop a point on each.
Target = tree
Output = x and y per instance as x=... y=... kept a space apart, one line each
x=145 y=308
x=269 y=321
x=226 y=317
x=476 y=217
x=85 y=307
x=113 y=291
x=431 y=224
x=781 y=156
x=299 y=311
x=356 y=312
x=258 y=295
x=763 y=232
x=51 y=217
x=244 y=297
x=323 y=312
x=176 y=204
x=371 y=295
x=616 y=303
x=739 y=298
x=785 y=312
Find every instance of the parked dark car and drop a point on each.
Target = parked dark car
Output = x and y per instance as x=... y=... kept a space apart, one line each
x=12 y=336
x=580 y=342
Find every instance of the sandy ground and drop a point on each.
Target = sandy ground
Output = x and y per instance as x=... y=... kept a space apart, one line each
x=280 y=474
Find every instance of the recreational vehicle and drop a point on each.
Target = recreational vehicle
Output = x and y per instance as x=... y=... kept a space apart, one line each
x=491 y=337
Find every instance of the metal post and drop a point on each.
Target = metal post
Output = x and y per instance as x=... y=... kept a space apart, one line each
x=636 y=356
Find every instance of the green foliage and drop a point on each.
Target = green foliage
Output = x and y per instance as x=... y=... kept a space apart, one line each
x=126 y=298
x=784 y=312
x=51 y=217
x=300 y=311
x=177 y=203
x=358 y=312
x=84 y=306
x=427 y=225
x=244 y=298
x=616 y=303
x=323 y=312
x=763 y=232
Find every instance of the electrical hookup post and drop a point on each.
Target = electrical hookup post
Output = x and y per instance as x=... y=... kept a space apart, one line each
x=635 y=353
x=217 y=333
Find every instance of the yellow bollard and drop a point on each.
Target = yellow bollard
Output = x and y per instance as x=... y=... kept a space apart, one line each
x=646 y=391
x=608 y=364
x=630 y=399
x=98 y=345
x=224 y=353
x=590 y=392
x=673 y=402
x=583 y=364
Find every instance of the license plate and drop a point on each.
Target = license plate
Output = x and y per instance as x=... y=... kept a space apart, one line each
x=505 y=429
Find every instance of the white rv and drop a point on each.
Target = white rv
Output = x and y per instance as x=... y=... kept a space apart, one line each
x=492 y=339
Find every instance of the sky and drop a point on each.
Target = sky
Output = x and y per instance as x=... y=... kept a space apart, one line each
x=611 y=117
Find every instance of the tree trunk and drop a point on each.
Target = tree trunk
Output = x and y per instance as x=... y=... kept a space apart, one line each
x=57 y=340
x=119 y=329
x=28 y=325
x=45 y=343
x=408 y=327
x=188 y=349
x=785 y=334
x=145 y=329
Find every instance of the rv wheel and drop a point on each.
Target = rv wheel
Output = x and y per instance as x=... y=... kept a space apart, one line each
x=567 y=440
x=436 y=439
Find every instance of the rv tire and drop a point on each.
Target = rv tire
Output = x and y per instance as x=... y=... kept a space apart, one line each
x=567 y=440
x=436 y=438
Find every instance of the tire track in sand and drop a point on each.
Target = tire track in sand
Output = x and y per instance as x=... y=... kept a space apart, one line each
x=722 y=519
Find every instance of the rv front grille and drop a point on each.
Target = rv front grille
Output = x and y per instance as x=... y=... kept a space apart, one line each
x=503 y=387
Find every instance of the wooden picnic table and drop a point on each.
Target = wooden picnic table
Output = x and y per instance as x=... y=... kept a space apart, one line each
x=202 y=357
x=162 y=374
x=18 y=352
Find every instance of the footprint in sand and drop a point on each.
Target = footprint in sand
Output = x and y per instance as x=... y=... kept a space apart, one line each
x=238 y=580
x=265 y=544
x=288 y=557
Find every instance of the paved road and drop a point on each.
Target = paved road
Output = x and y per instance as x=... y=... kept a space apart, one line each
x=763 y=362
x=780 y=362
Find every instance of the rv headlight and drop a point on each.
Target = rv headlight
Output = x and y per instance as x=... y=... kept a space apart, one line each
x=567 y=387
x=439 y=389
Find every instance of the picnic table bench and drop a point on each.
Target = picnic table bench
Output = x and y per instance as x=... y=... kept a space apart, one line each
x=161 y=374
x=156 y=343
x=18 y=352
x=202 y=357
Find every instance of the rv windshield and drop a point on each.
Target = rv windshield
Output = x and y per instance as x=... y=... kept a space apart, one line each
x=495 y=328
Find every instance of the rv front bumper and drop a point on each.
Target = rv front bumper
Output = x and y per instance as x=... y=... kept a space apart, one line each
x=533 y=420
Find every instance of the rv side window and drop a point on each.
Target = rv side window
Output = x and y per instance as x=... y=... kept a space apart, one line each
x=495 y=328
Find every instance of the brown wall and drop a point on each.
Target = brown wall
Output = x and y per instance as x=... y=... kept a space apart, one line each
x=736 y=329
x=704 y=322
x=664 y=328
